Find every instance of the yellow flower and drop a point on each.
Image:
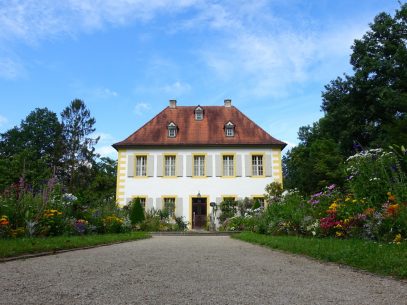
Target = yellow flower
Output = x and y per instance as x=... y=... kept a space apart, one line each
x=339 y=234
x=397 y=239
x=338 y=226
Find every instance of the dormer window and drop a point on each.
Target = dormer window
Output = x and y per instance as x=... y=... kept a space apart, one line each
x=172 y=130
x=229 y=129
x=198 y=113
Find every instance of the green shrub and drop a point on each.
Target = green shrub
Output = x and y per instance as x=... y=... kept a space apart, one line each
x=136 y=212
x=228 y=209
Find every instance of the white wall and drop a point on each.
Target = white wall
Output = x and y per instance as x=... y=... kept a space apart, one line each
x=185 y=187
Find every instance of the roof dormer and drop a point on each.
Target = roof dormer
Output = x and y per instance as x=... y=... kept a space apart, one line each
x=172 y=130
x=229 y=129
x=199 y=113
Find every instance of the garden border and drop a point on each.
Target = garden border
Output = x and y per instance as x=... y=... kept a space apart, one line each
x=54 y=252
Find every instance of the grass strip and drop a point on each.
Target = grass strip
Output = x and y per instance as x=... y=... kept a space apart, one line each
x=20 y=246
x=379 y=258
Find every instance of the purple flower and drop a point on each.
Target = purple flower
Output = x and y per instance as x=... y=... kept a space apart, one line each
x=331 y=187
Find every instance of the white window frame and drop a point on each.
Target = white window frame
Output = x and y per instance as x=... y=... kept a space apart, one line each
x=141 y=166
x=199 y=166
x=199 y=114
x=229 y=131
x=228 y=165
x=257 y=165
x=172 y=130
x=169 y=165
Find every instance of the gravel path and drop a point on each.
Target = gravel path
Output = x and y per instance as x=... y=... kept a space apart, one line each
x=189 y=270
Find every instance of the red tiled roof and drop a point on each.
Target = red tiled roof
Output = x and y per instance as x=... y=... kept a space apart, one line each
x=209 y=131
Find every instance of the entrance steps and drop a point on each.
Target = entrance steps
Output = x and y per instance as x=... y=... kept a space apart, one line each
x=194 y=233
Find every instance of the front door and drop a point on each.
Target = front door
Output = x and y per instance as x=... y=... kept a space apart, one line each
x=198 y=213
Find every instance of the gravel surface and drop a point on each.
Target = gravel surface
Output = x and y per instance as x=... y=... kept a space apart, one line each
x=189 y=270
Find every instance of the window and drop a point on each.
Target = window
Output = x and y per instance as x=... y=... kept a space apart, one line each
x=169 y=166
x=198 y=113
x=199 y=165
x=229 y=132
x=229 y=129
x=257 y=165
x=259 y=199
x=228 y=166
x=143 y=202
x=228 y=199
x=169 y=205
x=172 y=130
x=141 y=162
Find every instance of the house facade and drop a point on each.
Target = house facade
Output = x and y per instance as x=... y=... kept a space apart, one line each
x=188 y=157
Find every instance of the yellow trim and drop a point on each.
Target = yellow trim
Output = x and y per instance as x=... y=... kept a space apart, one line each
x=169 y=196
x=163 y=165
x=204 y=167
x=145 y=197
x=277 y=166
x=264 y=164
x=228 y=196
x=254 y=197
x=234 y=164
x=208 y=206
x=135 y=165
x=121 y=160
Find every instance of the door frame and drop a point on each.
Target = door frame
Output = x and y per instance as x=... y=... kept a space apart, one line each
x=190 y=207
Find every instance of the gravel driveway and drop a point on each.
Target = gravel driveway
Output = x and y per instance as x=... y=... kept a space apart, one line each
x=189 y=270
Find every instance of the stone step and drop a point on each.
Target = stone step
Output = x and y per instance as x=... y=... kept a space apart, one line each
x=193 y=233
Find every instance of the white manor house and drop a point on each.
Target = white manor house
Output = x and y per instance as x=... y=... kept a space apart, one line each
x=189 y=156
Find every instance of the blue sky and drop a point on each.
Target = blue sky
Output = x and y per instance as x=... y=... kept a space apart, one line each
x=127 y=58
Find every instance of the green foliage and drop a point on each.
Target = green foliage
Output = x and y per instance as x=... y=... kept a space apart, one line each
x=274 y=190
x=136 y=211
x=373 y=173
x=228 y=209
x=20 y=246
x=33 y=150
x=380 y=258
x=79 y=151
x=363 y=110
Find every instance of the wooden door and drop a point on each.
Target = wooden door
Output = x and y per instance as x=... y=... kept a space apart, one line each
x=199 y=209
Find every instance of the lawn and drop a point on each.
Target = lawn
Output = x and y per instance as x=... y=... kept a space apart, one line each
x=379 y=258
x=20 y=246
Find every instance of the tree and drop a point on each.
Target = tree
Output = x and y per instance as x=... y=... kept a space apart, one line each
x=33 y=150
x=364 y=110
x=79 y=151
x=136 y=212
x=370 y=107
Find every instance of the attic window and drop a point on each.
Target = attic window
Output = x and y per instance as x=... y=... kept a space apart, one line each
x=198 y=113
x=172 y=130
x=229 y=129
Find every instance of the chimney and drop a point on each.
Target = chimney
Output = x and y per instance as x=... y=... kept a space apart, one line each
x=173 y=103
x=228 y=103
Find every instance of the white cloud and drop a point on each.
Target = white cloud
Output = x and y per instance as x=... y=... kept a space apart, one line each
x=106 y=151
x=141 y=108
x=32 y=20
x=3 y=120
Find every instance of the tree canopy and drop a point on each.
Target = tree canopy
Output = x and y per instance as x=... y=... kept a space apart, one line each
x=363 y=110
